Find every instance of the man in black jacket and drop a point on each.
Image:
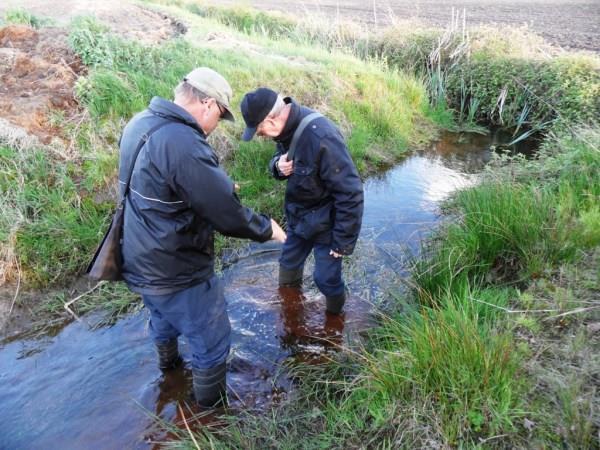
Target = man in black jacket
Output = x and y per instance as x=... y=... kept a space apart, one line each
x=178 y=197
x=324 y=194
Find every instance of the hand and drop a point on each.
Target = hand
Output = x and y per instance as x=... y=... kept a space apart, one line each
x=236 y=187
x=284 y=166
x=335 y=254
x=278 y=233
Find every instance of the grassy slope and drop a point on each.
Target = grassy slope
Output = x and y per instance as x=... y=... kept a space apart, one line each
x=52 y=223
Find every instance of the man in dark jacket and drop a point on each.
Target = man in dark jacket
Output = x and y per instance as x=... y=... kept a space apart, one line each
x=178 y=197
x=324 y=194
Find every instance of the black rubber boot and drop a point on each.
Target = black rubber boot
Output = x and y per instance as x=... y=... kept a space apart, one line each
x=210 y=385
x=168 y=355
x=290 y=278
x=335 y=303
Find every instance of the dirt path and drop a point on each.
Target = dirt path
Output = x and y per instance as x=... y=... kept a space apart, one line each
x=567 y=23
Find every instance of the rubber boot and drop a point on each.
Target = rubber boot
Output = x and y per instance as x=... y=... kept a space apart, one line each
x=335 y=303
x=210 y=385
x=290 y=278
x=168 y=355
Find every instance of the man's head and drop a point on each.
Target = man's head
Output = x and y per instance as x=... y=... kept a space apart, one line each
x=264 y=112
x=205 y=94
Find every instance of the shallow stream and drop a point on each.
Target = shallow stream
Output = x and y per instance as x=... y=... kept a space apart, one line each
x=98 y=389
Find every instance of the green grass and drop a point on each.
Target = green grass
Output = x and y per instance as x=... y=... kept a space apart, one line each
x=54 y=225
x=512 y=228
x=23 y=17
x=456 y=358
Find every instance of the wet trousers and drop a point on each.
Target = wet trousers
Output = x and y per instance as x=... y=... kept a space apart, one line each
x=199 y=313
x=328 y=270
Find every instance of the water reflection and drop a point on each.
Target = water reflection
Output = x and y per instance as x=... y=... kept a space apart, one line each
x=307 y=323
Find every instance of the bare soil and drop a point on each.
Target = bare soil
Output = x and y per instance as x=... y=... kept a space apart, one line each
x=37 y=75
x=572 y=24
x=124 y=17
x=38 y=70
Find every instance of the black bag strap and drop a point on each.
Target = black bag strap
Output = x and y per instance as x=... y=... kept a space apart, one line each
x=303 y=124
x=143 y=140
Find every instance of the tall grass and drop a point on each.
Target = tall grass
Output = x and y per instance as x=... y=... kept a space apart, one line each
x=54 y=224
x=508 y=77
x=455 y=358
x=503 y=232
x=512 y=227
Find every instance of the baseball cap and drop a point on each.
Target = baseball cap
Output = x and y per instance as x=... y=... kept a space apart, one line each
x=256 y=106
x=214 y=85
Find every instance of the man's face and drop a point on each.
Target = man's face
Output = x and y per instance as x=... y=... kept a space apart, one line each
x=213 y=113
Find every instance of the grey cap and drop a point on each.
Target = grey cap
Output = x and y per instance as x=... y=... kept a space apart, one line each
x=213 y=85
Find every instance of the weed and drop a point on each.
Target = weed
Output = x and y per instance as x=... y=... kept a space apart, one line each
x=23 y=17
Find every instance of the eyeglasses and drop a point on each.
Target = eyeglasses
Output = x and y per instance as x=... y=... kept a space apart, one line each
x=222 y=110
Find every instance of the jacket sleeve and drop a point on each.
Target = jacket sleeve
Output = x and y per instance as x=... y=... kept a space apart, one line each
x=340 y=177
x=280 y=150
x=199 y=181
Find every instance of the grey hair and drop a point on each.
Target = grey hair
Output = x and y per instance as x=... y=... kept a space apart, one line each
x=277 y=107
x=188 y=92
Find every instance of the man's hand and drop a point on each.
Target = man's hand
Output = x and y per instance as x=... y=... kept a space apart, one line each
x=278 y=233
x=284 y=166
x=334 y=254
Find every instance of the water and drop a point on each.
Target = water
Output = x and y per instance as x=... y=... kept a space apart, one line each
x=98 y=389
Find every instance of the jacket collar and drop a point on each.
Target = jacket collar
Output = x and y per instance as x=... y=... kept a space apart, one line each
x=170 y=111
x=291 y=124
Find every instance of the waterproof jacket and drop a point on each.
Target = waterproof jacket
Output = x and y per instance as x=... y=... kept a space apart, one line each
x=178 y=196
x=324 y=194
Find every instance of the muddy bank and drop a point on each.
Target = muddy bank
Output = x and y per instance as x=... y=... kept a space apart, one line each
x=572 y=24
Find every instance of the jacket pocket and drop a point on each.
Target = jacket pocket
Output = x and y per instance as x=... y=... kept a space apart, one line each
x=304 y=185
x=314 y=221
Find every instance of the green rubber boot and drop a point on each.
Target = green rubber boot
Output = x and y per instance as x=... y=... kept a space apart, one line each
x=210 y=385
x=290 y=278
x=168 y=355
x=335 y=303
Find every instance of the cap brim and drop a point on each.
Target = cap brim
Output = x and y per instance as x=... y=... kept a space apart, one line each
x=249 y=133
x=228 y=114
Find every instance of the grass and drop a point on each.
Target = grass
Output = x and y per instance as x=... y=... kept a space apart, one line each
x=23 y=17
x=508 y=77
x=51 y=222
x=513 y=228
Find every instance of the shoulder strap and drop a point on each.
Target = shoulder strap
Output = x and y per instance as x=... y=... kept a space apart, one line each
x=143 y=140
x=303 y=124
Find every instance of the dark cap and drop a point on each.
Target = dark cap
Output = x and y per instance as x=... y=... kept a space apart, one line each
x=255 y=107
